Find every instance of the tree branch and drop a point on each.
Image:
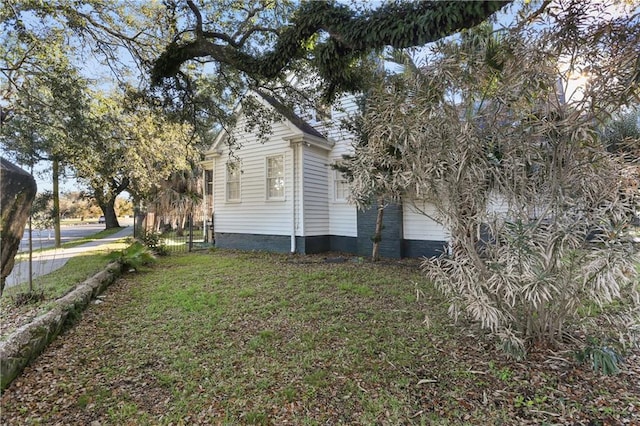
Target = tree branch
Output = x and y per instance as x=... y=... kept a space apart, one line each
x=350 y=37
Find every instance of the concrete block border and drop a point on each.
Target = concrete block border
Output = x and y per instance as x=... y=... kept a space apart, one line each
x=27 y=342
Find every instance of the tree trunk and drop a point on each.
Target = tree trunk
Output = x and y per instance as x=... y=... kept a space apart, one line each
x=56 y=201
x=377 y=236
x=17 y=192
x=108 y=207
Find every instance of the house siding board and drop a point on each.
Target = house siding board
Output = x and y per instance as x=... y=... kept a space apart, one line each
x=316 y=197
x=497 y=204
x=418 y=226
x=343 y=217
x=343 y=220
x=254 y=214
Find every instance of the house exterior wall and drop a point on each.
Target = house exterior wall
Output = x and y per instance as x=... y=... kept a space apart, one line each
x=343 y=220
x=391 y=243
x=315 y=196
x=323 y=221
x=423 y=236
x=237 y=223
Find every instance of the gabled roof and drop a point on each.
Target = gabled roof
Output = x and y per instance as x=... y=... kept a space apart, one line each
x=288 y=115
x=291 y=116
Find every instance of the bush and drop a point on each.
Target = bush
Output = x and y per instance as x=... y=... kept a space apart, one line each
x=133 y=257
x=154 y=242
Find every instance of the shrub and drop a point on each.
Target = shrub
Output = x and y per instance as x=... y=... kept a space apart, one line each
x=154 y=242
x=133 y=257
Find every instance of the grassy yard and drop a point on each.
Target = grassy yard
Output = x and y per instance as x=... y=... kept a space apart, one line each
x=47 y=288
x=252 y=338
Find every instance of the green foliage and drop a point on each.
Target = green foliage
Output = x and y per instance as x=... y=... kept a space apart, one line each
x=29 y=297
x=154 y=242
x=515 y=171
x=42 y=215
x=602 y=358
x=133 y=257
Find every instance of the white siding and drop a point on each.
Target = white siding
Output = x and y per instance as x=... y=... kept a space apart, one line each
x=342 y=216
x=497 y=204
x=418 y=226
x=254 y=214
x=316 y=192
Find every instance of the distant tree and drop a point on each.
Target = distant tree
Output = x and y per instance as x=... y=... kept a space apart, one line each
x=178 y=196
x=45 y=116
x=124 y=207
x=42 y=212
x=128 y=146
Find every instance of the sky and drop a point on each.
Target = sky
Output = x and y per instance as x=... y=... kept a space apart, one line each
x=42 y=172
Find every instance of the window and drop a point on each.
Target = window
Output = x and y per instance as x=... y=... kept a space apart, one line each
x=208 y=182
x=275 y=177
x=341 y=187
x=233 y=181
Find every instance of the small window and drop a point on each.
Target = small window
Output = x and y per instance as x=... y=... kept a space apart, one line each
x=208 y=182
x=341 y=187
x=275 y=177
x=233 y=181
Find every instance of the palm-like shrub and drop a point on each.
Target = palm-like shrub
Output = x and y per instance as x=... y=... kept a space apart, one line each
x=516 y=172
x=133 y=257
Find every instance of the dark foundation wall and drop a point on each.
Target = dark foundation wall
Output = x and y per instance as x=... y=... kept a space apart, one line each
x=422 y=248
x=391 y=244
x=272 y=243
x=282 y=243
x=326 y=243
x=393 y=249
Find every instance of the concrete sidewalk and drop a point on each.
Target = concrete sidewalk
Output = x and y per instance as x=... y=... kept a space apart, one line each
x=47 y=261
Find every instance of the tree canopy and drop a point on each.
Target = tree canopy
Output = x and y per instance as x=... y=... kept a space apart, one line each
x=329 y=35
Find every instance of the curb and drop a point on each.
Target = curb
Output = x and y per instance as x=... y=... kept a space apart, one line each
x=27 y=342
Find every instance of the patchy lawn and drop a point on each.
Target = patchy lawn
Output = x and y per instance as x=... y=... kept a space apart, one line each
x=246 y=338
x=47 y=288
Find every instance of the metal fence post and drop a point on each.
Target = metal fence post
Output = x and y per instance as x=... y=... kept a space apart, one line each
x=190 y=232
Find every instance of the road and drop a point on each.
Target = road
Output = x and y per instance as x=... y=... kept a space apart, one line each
x=45 y=238
x=47 y=261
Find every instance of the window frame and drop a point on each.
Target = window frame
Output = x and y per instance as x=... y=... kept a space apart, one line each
x=268 y=178
x=228 y=181
x=340 y=179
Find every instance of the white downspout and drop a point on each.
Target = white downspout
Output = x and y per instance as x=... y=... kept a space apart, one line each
x=293 y=197
x=203 y=209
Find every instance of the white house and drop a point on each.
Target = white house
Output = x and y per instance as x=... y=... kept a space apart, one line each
x=282 y=195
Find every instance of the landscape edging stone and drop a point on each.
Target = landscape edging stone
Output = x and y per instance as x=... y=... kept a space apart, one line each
x=27 y=342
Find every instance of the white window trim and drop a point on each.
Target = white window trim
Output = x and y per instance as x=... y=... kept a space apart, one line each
x=338 y=177
x=226 y=182
x=266 y=178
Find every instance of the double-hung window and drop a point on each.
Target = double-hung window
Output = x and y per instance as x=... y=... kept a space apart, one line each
x=341 y=186
x=233 y=181
x=275 y=177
